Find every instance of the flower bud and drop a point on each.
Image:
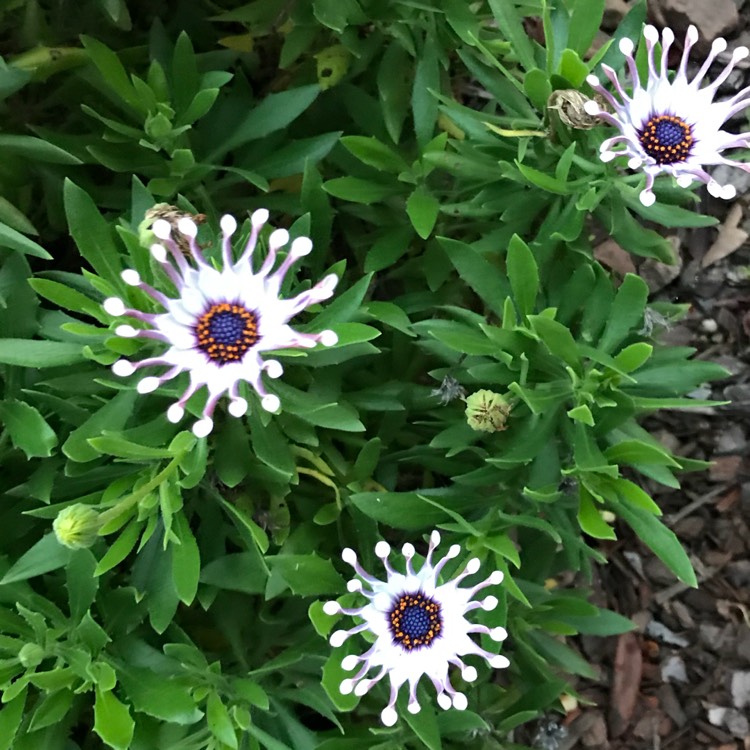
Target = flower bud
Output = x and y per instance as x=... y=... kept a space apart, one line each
x=77 y=526
x=487 y=411
x=31 y=655
x=569 y=105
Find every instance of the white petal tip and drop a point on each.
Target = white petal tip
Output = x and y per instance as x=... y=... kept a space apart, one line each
x=203 y=427
x=131 y=277
x=123 y=368
x=592 y=108
x=338 y=638
x=259 y=217
x=238 y=407
x=354 y=585
x=273 y=368
x=607 y=156
x=389 y=716
x=408 y=550
x=278 y=238
x=271 y=403
x=114 y=306
x=435 y=538
x=489 y=603
x=740 y=53
x=349 y=556
x=634 y=162
x=444 y=701
x=651 y=33
x=692 y=34
x=148 y=385
x=593 y=81
x=473 y=565
x=647 y=198
x=454 y=551
x=175 y=413
x=469 y=674
x=332 y=608
x=329 y=338
x=362 y=687
x=126 y=331
x=496 y=577
x=685 y=180
x=498 y=634
x=159 y=253
x=349 y=662
x=382 y=550
x=460 y=702
x=187 y=227
x=626 y=46
x=499 y=662
x=228 y=225
x=414 y=708
x=667 y=35
x=301 y=246
x=719 y=44
x=162 y=229
x=346 y=687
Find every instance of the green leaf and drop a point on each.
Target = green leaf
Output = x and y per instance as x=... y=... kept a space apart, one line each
x=92 y=233
x=638 y=452
x=10 y=720
x=394 y=79
x=661 y=540
x=186 y=561
x=557 y=338
x=424 y=101
x=36 y=149
x=590 y=519
x=509 y=22
x=423 y=210
x=357 y=190
x=625 y=313
x=582 y=413
x=112 y=721
x=275 y=112
x=120 y=549
x=424 y=725
x=537 y=87
x=523 y=274
x=242 y=571
x=371 y=151
x=113 y=72
x=165 y=699
x=81 y=582
x=32 y=353
x=584 y=23
x=46 y=555
x=573 y=68
x=633 y=356
x=308 y=575
x=477 y=272
x=14 y=240
x=219 y=722
x=113 y=415
x=27 y=428
x=388 y=248
x=338 y=14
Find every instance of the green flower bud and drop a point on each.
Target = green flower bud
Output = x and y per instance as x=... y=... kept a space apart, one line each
x=77 y=526
x=487 y=411
x=31 y=655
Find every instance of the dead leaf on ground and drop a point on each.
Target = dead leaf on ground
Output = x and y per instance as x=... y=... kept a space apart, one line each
x=610 y=254
x=731 y=237
x=626 y=682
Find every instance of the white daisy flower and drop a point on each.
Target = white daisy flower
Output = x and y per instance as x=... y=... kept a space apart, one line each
x=672 y=126
x=420 y=627
x=221 y=321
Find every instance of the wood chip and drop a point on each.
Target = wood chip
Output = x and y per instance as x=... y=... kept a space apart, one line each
x=731 y=237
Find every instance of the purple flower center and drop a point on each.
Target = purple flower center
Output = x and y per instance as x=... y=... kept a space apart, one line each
x=666 y=139
x=415 y=620
x=226 y=331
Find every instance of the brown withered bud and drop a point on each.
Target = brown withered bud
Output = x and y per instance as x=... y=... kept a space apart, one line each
x=169 y=213
x=569 y=103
